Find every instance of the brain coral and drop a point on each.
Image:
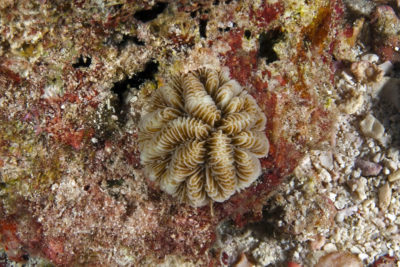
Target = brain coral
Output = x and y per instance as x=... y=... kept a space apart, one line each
x=202 y=137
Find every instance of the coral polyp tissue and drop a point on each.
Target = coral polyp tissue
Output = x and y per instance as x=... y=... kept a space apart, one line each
x=202 y=137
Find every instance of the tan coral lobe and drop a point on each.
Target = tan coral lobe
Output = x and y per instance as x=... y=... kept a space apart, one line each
x=202 y=137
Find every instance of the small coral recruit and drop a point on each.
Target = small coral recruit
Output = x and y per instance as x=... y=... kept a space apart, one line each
x=202 y=137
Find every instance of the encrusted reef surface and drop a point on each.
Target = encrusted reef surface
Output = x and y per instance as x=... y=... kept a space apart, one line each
x=74 y=80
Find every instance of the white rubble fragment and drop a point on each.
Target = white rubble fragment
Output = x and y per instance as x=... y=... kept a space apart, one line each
x=330 y=247
x=243 y=261
x=317 y=242
x=384 y=196
x=326 y=160
x=376 y=149
x=392 y=165
x=393 y=153
x=392 y=229
x=320 y=159
x=378 y=222
x=358 y=186
x=304 y=168
x=377 y=158
x=268 y=253
x=371 y=127
x=391 y=217
x=324 y=175
x=386 y=171
x=353 y=104
x=371 y=144
x=372 y=58
x=342 y=214
x=355 y=250
x=394 y=176
x=332 y=196
x=363 y=256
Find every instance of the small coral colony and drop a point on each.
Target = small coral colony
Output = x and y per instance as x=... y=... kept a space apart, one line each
x=202 y=137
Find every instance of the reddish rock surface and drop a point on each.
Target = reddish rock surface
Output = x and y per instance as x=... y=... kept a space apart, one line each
x=68 y=129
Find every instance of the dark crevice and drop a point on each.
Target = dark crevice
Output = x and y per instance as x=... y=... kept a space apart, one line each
x=126 y=39
x=25 y=257
x=146 y=15
x=131 y=207
x=396 y=70
x=120 y=88
x=115 y=183
x=203 y=28
x=247 y=34
x=83 y=62
x=267 y=41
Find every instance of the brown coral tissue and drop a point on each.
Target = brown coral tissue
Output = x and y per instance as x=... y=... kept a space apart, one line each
x=202 y=137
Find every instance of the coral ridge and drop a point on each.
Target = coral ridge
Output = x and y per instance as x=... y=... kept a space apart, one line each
x=202 y=137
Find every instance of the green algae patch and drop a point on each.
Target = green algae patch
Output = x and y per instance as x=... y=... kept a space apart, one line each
x=28 y=167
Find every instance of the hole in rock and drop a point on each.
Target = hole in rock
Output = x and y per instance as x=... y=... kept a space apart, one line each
x=146 y=15
x=83 y=62
x=203 y=28
x=120 y=88
x=267 y=41
x=247 y=34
